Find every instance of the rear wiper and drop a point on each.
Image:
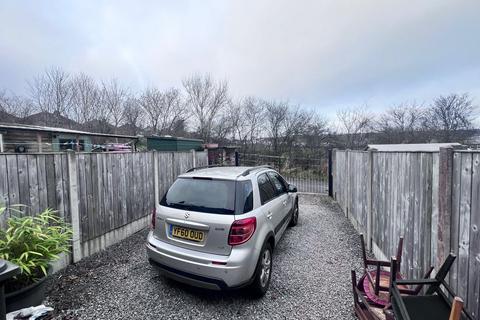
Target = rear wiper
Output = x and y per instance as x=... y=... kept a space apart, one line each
x=180 y=204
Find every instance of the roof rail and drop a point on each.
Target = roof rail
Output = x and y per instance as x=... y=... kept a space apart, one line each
x=202 y=167
x=247 y=172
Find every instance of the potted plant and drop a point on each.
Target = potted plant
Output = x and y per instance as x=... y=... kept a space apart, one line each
x=32 y=243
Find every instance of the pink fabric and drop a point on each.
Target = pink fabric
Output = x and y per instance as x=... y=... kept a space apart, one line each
x=370 y=290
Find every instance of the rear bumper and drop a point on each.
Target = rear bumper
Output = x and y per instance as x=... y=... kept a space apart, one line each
x=196 y=268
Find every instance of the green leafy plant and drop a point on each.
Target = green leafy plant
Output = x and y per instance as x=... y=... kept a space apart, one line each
x=33 y=243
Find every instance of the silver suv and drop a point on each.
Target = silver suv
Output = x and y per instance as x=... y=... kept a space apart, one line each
x=217 y=227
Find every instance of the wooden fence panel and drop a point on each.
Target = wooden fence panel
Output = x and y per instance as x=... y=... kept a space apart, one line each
x=182 y=162
x=401 y=206
x=435 y=208
x=405 y=199
x=351 y=184
x=339 y=182
x=33 y=181
x=201 y=158
x=165 y=172
x=114 y=190
x=473 y=298
x=357 y=188
x=401 y=201
x=465 y=221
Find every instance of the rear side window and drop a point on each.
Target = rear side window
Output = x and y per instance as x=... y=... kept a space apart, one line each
x=267 y=191
x=244 y=197
x=278 y=183
x=203 y=195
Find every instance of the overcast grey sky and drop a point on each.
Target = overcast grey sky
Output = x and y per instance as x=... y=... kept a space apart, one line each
x=321 y=54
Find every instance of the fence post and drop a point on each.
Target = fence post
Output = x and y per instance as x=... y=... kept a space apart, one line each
x=155 y=179
x=173 y=167
x=74 y=211
x=347 y=197
x=194 y=158
x=369 y=199
x=330 y=173
x=334 y=173
x=445 y=176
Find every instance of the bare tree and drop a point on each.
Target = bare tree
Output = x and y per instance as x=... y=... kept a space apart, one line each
x=247 y=119
x=179 y=128
x=151 y=102
x=296 y=125
x=276 y=114
x=223 y=126
x=4 y=102
x=17 y=106
x=163 y=110
x=133 y=115
x=254 y=117
x=205 y=99
x=316 y=133
x=354 y=124
x=113 y=99
x=236 y=120
x=86 y=98
x=403 y=123
x=286 y=125
x=449 y=116
x=52 y=93
x=173 y=111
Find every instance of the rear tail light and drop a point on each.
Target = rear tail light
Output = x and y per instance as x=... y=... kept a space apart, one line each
x=241 y=231
x=154 y=218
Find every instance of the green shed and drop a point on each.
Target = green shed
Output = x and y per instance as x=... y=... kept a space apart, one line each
x=168 y=143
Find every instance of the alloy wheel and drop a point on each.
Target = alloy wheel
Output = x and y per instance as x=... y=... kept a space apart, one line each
x=266 y=268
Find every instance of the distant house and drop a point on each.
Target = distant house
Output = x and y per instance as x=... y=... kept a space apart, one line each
x=21 y=138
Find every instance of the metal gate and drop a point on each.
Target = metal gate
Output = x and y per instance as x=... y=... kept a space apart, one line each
x=308 y=174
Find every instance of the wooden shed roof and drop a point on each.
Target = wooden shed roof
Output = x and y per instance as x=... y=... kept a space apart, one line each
x=24 y=127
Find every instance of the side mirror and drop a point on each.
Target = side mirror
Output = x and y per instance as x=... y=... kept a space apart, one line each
x=292 y=188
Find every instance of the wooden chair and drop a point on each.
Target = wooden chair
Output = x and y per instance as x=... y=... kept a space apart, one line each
x=377 y=273
x=434 y=304
x=373 y=275
x=363 y=307
x=369 y=308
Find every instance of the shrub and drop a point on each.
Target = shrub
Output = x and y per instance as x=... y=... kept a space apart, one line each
x=33 y=243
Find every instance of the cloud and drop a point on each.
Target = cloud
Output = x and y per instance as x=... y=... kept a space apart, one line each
x=321 y=54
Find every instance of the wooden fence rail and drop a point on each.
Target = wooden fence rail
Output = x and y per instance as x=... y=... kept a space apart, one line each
x=105 y=196
x=432 y=199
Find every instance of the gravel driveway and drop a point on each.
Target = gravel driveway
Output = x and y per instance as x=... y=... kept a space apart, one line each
x=310 y=280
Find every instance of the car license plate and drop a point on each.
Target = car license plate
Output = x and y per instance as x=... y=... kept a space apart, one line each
x=188 y=234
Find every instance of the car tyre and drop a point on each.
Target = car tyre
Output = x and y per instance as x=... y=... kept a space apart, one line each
x=294 y=219
x=263 y=272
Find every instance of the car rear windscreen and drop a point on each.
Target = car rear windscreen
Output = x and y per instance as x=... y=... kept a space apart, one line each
x=209 y=195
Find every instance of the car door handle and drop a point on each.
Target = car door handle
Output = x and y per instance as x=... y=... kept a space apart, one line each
x=269 y=215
